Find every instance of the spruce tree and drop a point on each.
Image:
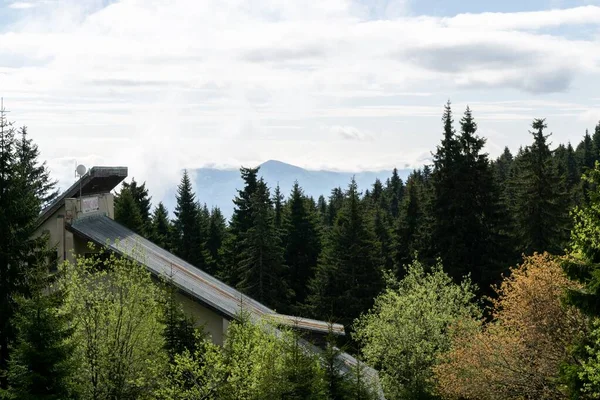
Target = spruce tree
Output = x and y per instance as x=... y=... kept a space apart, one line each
x=278 y=208
x=127 y=212
x=336 y=200
x=42 y=364
x=161 y=233
x=143 y=201
x=585 y=153
x=260 y=266
x=377 y=195
x=322 y=210
x=540 y=210
x=24 y=187
x=596 y=142
x=349 y=273
x=188 y=240
x=394 y=191
x=302 y=243
x=446 y=191
x=179 y=331
x=468 y=215
x=241 y=221
x=410 y=224
x=217 y=231
x=383 y=234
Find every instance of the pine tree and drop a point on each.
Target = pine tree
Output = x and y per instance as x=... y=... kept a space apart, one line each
x=585 y=153
x=410 y=224
x=302 y=243
x=127 y=212
x=143 y=201
x=502 y=167
x=377 y=195
x=596 y=142
x=260 y=267
x=42 y=364
x=161 y=233
x=540 y=209
x=24 y=187
x=446 y=191
x=188 y=240
x=241 y=222
x=322 y=210
x=349 y=273
x=217 y=232
x=383 y=234
x=278 y=206
x=336 y=200
x=467 y=209
x=179 y=332
x=394 y=192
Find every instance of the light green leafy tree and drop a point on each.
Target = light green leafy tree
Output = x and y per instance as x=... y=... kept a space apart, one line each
x=256 y=361
x=118 y=329
x=406 y=330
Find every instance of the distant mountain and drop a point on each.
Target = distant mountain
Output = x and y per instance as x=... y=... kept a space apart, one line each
x=218 y=187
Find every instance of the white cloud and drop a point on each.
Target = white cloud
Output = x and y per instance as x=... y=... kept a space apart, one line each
x=350 y=133
x=160 y=86
x=21 y=5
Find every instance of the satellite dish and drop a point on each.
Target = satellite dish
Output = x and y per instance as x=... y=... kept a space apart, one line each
x=81 y=169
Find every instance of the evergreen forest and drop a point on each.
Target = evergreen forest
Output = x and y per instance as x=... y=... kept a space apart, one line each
x=475 y=278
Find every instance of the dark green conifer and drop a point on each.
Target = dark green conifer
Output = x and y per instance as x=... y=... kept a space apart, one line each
x=127 y=212
x=241 y=222
x=179 y=333
x=394 y=191
x=42 y=365
x=161 y=233
x=302 y=243
x=189 y=243
x=278 y=208
x=24 y=187
x=217 y=231
x=336 y=200
x=260 y=266
x=143 y=200
x=540 y=210
x=349 y=273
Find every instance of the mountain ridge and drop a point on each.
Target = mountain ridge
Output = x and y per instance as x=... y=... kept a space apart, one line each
x=218 y=187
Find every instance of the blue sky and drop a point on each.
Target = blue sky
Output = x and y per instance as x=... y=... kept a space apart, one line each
x=341 y=84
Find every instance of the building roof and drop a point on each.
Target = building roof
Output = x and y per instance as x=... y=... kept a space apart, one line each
x=97 y=180
x=201 y=286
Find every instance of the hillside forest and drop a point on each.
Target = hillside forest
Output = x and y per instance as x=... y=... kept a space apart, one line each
x=475 y=278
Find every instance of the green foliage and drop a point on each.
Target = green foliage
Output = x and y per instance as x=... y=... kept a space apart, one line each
x=261 y=266
x=410 y=230
x=241 y=221
x=255 y=362
x=583 y=264
x=349 y=273
x=540 y=201
x=189 y=231
x=143 y=202
x=406 y=330
x=180 y=333
x=127 y=211
x=161 y=229
x=302 y=243
x=217 y=232
x=41 y=364
x=117 y=313
x=25 y=187
x=467 y=215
